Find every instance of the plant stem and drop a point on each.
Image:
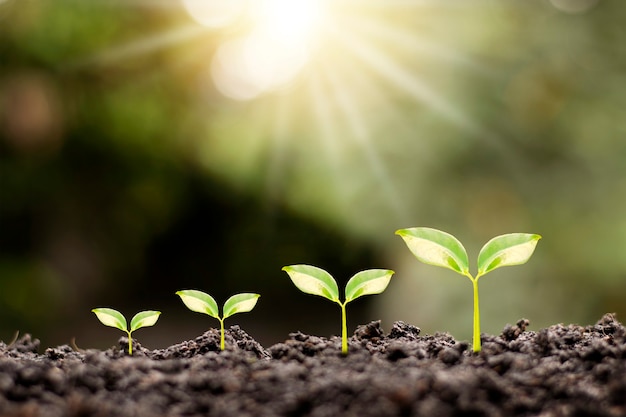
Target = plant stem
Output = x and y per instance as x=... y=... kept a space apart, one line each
x=476 y=344
x=222 y=344
x=130 y=344
x=344 y=330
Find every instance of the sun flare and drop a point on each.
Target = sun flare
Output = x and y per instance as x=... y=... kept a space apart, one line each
x=335 y=63
x=289 y=21
x=272 y=51
x=328 y=80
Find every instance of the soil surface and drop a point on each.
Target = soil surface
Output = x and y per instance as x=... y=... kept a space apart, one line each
x=558 y=371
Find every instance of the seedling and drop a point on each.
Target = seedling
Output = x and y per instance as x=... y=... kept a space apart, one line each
x=316 y=281
x=114 y=318
x=202 y=302
x=438 y=248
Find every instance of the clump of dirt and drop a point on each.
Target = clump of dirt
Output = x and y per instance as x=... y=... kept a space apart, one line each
x=558 y=371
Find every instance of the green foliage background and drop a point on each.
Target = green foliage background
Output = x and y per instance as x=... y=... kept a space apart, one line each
x=125 y=175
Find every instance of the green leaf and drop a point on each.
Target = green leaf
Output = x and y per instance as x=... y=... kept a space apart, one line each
x=200 y=302
x=313 y=280
x=144 y=319
x=371 y=281
x=435 y=247
x=240 y=303
x=506 y=250
x=111 y=318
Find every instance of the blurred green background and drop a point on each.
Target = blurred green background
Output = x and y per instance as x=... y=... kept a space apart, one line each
x=137 y=160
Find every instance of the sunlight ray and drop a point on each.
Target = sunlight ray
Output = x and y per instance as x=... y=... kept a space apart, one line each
x=362 y=136
x=215 y=13
x=388 y=67
x=278 y=148
x=139 y=47
x=405 y=81
x=336 y=189
x=324 y=121
x=373 y=97
x=409 y=42
x=401 y=78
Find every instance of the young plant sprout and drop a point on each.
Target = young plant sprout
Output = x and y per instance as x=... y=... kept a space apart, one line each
x=438 y=248
x=316 y=281
x=114 y=318
x=202 y=302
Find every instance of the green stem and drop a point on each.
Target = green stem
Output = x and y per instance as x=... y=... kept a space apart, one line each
x=476 y=344
x=222 y=344
x=344 y=330
x=130 y=344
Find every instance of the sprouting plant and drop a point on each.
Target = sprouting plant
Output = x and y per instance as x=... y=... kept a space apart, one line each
x=435 y=247
x=114 y=318
x=202 y=302
x=313 y=280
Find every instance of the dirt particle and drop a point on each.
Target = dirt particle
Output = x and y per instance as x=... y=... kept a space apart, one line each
x=369 y=331
x=513 y=332
x=402 y=330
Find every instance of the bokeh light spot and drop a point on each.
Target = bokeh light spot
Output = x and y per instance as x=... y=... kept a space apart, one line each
x=247 y=67
x=30 y=113
x=272 y=54
x=230 y=72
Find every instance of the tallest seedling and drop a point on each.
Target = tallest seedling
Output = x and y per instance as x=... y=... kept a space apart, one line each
x=435 y=247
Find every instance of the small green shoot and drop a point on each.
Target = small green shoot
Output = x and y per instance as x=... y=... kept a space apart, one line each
x=114 y=318
x=201 y=302
x=438 y=248
x=316 y=281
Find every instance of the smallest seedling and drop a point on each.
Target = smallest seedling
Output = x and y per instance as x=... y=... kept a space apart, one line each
x=201 y=302
x=114 y=318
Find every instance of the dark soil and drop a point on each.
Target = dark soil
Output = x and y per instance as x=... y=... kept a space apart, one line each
x=558 y=371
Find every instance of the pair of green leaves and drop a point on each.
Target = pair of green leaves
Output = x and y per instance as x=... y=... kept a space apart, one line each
x=438 y=248
x=313 y=280
x=201 y=302
x=113 y=318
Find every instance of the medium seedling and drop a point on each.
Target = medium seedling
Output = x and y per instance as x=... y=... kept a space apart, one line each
x=435 y=247
x=114 y=318
x=202 y=302
x=316 y=281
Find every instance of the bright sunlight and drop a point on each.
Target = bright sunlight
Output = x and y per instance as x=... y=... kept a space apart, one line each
x=309 y=75
x=272 y=50
x=288 y=20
